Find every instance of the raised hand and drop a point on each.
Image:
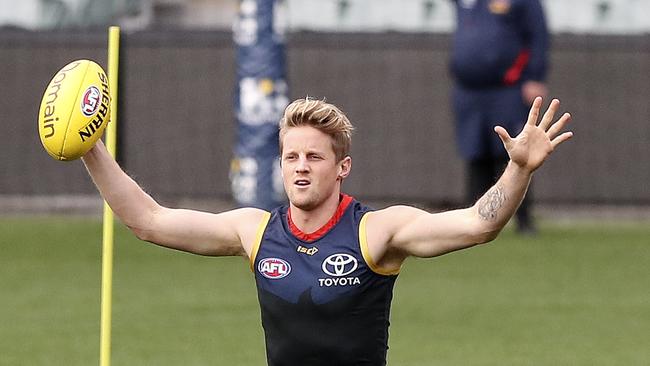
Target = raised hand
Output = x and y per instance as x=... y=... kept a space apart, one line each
x=536 y=142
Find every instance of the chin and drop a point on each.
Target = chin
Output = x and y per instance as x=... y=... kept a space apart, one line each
x=306 y=202
x=305 y=205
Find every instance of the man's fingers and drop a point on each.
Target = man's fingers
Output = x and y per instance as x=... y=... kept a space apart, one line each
x=533 y=115
x=547 y=119
x=558 y=125
x=560 y=139
x=503 y=134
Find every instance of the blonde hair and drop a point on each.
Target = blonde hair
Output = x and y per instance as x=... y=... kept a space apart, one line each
x=323 y=116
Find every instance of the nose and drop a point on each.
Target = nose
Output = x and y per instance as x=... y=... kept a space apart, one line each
x=302 y=165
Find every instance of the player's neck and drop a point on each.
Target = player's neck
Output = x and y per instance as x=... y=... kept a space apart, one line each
x=308 y=221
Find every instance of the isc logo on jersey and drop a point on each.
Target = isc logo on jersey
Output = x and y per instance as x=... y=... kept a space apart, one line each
x=339 y=266
x=274 y=268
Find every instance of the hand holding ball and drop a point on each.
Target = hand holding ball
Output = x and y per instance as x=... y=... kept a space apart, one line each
x=75 y=110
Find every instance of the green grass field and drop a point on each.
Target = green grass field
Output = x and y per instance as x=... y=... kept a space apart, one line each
x=575 y=295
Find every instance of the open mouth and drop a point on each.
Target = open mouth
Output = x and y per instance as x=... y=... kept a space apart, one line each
x=301 y=182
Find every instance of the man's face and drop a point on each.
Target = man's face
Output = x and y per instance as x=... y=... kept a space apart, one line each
x=310 y=171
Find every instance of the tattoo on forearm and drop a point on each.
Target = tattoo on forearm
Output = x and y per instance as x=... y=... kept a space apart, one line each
x=491 y=203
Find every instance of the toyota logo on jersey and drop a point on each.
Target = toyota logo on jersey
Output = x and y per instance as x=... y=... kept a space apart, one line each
x=339 y=264
x=274 y=268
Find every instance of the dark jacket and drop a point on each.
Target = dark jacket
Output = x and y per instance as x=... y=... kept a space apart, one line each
x=499 y=42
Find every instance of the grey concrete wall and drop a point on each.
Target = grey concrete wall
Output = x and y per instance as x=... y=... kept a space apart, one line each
x=177 y=128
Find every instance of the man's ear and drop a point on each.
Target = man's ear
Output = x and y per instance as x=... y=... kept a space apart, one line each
x=344 y=167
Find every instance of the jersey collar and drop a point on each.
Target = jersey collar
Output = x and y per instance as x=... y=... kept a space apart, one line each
x=344 y=202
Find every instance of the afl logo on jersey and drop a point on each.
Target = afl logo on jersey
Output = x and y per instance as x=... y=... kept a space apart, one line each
x=339 y=264
x=274 y=268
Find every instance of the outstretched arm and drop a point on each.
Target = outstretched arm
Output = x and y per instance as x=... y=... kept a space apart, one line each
x=400 y=231
x=527 y=152
x=227 y=233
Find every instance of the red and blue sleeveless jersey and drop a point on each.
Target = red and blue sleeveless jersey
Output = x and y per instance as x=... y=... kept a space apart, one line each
x=323 y=300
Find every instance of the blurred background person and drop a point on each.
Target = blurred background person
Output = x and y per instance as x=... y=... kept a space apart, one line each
x=499 y=64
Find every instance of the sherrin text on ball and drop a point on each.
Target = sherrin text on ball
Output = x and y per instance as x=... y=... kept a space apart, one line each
x=75 y=110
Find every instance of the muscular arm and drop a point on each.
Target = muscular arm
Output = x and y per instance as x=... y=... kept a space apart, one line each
x=419 y=233
x=401 y=231
x=227 y=233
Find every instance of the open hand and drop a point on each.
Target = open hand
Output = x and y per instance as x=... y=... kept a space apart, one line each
x=536 y=142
